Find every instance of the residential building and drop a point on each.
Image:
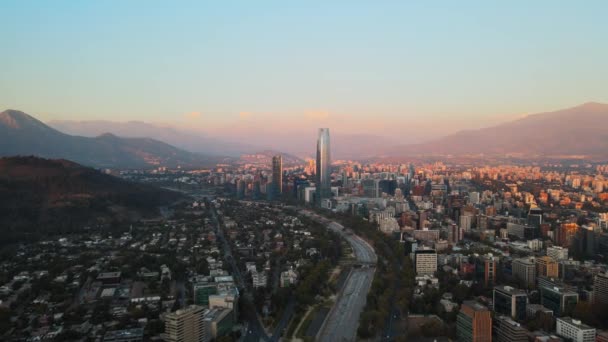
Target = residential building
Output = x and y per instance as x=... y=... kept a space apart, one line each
x=507 y=330
x=600 y=288
x=426 y=261
x=547 y=267
x=474 y=323
x=186 y=325
x=525 y=270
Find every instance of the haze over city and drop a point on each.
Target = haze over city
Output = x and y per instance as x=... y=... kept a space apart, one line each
x=319 y=171
x=407 y=72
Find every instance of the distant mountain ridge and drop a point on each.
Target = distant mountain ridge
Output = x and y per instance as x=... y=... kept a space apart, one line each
x=576 y=131
x=189 y=140
x=22 y=134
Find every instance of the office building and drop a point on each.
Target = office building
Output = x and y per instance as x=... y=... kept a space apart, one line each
x=186 y=325
x=574 y=330
x=507 y=330
x=202 y=291
x=426 y=261
x=218 y=322
x=525 y=271
x=600 y=288
x=510 y=301
x=466 y=222
x=323 y=166
x=561 y=301
x=277 y=176
x=474 y=323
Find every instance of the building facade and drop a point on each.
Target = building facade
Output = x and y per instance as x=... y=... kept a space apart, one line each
x=323 y=166
x=474 y=323
x=574 y=330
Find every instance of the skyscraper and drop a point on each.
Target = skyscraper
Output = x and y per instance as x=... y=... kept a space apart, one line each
x=323 y=166
x=277 y=176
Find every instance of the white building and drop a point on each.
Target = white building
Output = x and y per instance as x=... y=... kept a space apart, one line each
x=389 y=225
x=259 y=279
x=535 y=245
x=557 y=253
x=426 y=261
x=574 y=330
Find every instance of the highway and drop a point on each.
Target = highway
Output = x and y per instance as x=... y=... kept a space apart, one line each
x=343 y=320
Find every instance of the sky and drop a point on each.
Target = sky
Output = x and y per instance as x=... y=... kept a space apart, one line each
x=401 y=69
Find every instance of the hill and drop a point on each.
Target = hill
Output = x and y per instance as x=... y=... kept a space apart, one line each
x=577 y=131
x=42 y=195
x=188 y=140
x=22 y=134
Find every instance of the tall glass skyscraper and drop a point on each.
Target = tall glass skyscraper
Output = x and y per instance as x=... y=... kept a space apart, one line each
x=323 y=166
x=277 y=175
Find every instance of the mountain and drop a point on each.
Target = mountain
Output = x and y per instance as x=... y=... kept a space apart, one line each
x=188 y=140
x=21 y=134
x=44 y=196
x=577 y=131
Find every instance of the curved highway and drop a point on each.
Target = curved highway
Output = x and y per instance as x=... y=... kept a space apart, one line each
x=343 y=320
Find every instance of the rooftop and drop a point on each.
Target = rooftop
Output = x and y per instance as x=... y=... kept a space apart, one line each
x=575 y=322
x=475 y=305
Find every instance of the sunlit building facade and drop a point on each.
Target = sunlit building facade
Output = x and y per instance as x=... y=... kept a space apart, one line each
x=323 y=166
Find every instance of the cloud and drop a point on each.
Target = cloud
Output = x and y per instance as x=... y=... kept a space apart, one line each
x=193 y=115
x=317 y=115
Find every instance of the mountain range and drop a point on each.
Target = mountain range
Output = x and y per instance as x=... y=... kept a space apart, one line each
x=22 y=134
x=185 y=139
x=577 y=131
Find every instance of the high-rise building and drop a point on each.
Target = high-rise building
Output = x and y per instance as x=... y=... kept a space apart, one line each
x=323 y=166
x=566 y=233
x=466 y=222
x=574 y=330
x=186 y=325
x=455 y=233
x=525 y=270
x=547 y=267
x=490 y=263
x=600 y=288
x=277 y=176
x=474 y=323
x=510 y=301
x=426 y=261
x=507 y=330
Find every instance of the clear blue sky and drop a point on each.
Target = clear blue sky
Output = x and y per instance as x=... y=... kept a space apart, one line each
x=401 y=60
